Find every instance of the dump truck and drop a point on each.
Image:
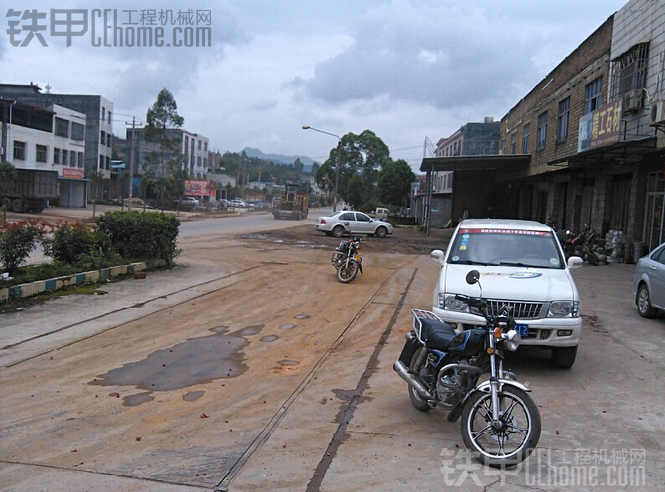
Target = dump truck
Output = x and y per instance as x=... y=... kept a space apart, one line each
x=29 y=190
x=293 y=203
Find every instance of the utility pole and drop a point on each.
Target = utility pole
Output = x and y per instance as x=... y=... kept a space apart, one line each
x=131 y=160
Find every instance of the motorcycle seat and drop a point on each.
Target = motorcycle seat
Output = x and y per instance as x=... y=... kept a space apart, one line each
x=436 y=334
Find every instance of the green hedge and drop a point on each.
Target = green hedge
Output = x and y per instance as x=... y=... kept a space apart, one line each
x=141 y=235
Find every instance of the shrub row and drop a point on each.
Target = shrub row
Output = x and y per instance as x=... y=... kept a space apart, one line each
x=117 y=237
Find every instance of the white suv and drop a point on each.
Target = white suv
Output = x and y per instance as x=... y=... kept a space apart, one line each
x=522 y=267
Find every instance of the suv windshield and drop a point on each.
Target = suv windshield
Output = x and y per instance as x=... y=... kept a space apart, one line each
x=506 y=247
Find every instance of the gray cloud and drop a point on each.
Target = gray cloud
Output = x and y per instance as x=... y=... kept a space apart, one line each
x=446 y=55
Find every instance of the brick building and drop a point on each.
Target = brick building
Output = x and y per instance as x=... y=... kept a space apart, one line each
x=584 y=146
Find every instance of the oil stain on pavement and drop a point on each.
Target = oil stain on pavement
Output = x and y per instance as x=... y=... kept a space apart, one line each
x=192 y=362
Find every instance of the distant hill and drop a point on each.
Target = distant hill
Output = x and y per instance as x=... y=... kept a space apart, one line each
x=280 y=159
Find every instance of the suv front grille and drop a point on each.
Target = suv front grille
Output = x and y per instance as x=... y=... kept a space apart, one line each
x=518 y=310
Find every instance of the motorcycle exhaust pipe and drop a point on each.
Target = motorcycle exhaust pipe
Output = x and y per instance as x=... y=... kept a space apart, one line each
x=403 y=372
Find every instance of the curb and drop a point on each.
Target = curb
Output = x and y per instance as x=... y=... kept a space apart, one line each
x=22 y=291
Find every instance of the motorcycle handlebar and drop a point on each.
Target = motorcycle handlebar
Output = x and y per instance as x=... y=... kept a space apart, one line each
x=476 y=302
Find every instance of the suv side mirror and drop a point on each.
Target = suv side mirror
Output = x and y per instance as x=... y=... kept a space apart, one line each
x=575 y=262
x=437 y=257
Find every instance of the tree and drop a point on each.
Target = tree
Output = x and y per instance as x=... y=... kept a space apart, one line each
x=395 y=182
x=359 y=155
x=159 y=119
x=7 y=176
x=356 y=192
x=97 y=179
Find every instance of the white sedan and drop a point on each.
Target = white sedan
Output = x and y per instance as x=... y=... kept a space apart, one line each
x=347 y=222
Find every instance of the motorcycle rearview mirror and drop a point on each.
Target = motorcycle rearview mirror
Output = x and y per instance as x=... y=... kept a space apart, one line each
x=472 y=277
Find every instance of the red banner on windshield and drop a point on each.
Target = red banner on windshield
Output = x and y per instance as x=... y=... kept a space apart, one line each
x=490 y=230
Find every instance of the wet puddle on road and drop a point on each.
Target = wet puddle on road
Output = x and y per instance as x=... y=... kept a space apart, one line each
x=193 y=395
x=137 y=399
x=194 y=361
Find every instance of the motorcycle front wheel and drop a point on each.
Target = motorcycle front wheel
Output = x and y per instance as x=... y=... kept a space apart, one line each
x=347 y=271
x=516 y=437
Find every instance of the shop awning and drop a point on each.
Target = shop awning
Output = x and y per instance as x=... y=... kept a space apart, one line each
x=624 y=150
x=476 y=163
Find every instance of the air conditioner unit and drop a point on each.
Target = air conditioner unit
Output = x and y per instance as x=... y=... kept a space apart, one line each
x=657 y=113
x=632 y=100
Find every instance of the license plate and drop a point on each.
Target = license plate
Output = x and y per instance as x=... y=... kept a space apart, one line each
x=522 y=329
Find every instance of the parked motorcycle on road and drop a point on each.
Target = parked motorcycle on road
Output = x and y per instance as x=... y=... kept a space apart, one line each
x=500 y=422
x=582 y=245
x=346 y=259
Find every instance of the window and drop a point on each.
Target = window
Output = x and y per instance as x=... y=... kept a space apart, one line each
x=80 y=159
x=109 y=117
x=363 y=218
x=19 y=150
x=56 y=156
x=513 y=143
x=109 y=140
x=205 y=146
x=61 y=127
x=102 y=139
x=629 y=71
x=200 y=142
x=77 y=131
x=525 y=139
x=103 y=113
x=593 y=95
x=42 y=153
x=64 y=157
x=108 y=163
x=542 y=130
x=72 y=158
x=562 y=123
x=101 y=162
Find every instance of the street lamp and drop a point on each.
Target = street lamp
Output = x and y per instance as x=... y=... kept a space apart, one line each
x=339 y=151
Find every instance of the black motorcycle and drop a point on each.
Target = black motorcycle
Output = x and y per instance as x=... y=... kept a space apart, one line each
x=500 y=422
x=582 y=245
x=346 y=259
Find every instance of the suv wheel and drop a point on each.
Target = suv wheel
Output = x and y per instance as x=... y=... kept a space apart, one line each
x=564 y=357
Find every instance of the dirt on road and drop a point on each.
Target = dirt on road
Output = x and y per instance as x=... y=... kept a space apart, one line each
x=404 y=240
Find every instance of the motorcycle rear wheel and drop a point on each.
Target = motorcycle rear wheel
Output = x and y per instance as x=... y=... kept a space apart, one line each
x=519 y=434
x=347 y=271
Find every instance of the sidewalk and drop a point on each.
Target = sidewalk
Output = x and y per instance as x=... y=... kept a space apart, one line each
x=56 y=214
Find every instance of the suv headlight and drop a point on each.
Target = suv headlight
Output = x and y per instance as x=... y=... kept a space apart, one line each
x=448 y=301
x=564 y=309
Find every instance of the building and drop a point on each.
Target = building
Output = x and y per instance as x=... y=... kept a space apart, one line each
x=193 y=154
x=46 y=138
x=472 y=139
x=99 y=120
x=586 y=146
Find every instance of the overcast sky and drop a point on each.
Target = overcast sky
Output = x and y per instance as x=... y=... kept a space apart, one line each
x=403 y=69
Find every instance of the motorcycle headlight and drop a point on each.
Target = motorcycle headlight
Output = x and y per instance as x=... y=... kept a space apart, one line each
x=564 y=309
x=512 y=340
x=448 y=301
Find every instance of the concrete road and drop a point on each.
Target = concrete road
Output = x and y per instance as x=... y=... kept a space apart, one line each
x=249 y=367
